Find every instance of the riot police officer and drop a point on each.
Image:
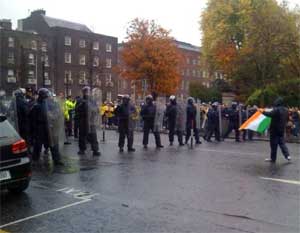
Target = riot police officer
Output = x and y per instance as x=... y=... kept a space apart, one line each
x=125 y=113
x=43 y=117
x=22 y=114
x=233 y=115
x=213 y=123
x=191 y=113
x=171 y=114
x=87 y=113
x=148 y=112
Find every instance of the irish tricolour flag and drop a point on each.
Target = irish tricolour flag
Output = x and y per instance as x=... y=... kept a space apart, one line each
x=257 y=122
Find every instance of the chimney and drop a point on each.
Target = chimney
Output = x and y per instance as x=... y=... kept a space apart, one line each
x=38 y=12
x=5 y=24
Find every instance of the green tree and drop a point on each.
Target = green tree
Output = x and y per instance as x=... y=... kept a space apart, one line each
x=254 y=42
x=205 y=94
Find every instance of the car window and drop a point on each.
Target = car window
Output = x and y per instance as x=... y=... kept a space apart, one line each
x=7 y=133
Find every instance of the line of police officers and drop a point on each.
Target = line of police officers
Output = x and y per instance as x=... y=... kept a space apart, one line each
x=38 y=122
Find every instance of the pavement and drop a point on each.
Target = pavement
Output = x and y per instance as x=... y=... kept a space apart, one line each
x=214 y=187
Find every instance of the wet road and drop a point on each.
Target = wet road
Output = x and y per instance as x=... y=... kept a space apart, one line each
x=225 y=187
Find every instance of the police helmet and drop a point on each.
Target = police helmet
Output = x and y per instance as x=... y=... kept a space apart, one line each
x=43 y=93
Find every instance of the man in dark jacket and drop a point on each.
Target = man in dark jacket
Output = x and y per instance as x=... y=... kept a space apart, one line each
x=125 y=113
x=213 y=123
x=171 y=114
x=279 y=116
x=88 y=113
x=191 y=113
x=233 y=116
x=43 y=118
x=148 y=113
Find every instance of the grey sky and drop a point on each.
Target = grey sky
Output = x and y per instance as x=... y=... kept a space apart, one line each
x=111 y=17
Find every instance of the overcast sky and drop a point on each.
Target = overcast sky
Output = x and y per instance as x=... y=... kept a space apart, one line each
x=111 y=17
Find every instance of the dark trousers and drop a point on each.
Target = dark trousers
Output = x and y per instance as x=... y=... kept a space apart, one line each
x=276 y=140
x=68 y=128
x=189 y=133
x=236 y=130
x=37 y=148
x=126 y=133
x=213 y=129
x=90 y=137
x=172 y=132
x=76 y=128
x=147 y=130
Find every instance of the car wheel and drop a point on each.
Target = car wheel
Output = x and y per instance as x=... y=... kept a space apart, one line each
x=19 y=187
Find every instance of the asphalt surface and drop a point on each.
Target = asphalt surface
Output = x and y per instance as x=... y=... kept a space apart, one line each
x=215 y=187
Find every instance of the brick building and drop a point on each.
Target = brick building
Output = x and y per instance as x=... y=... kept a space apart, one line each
x=26 y=59
x=77 y=56
x=190 y=71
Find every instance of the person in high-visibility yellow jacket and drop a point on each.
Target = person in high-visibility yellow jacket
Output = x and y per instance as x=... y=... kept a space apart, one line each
x=69 y=107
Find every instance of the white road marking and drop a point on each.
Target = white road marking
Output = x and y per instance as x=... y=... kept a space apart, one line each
x=283 y=181
x=45 y=213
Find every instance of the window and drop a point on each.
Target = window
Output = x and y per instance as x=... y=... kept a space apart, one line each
x=82 y=43
x=11 y=42
x=96 y=45
x=11 y=76
x=68 y=76
x=68 y=41
x=108 y=47
x=108 y=78
x=96 y=61
x=68 y=58
x=96 y=80
x=187 y=61
x=34 y=45
x=182 y=72
x=82 y=78
x=182 y=85
x=45 y=59
x=193 y=73
x=11 y=58
x=203 y=74
x=30 y=59
x=31 y=77
x=187 y=72
x=108 y=96
x=187 y=85
x=108 y=63
x=46 y=75
x=44 y=46
x=81 y=59
x=194 y=62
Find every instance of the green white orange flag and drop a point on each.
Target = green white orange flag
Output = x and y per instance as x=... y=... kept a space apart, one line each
x=257 y=122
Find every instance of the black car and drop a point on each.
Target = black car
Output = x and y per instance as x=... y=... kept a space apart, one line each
x=15 y=163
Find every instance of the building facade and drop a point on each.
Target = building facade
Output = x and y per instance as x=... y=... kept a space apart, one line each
x=26 y=59
x=77 y=56
x=190 y=71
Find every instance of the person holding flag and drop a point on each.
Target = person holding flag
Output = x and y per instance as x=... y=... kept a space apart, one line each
x=276 y=119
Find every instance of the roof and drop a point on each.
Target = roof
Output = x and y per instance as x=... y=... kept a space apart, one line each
x=53 y=22
x=187 y=46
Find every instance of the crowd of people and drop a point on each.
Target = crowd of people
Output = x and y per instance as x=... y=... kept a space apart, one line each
x=45 y=120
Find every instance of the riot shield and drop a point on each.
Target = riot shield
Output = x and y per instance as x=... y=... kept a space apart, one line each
x=198 y=115
x=181 y=116
x=133 y=119
x=52 y=110
x=159 y=114
x=220 y=119
x=94 y=104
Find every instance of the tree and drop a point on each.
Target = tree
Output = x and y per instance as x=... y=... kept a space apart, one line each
x=253 y=42
x=205 y=94
x=150 y=54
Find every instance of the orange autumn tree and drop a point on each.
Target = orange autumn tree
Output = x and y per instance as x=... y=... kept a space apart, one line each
x=150 y=54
